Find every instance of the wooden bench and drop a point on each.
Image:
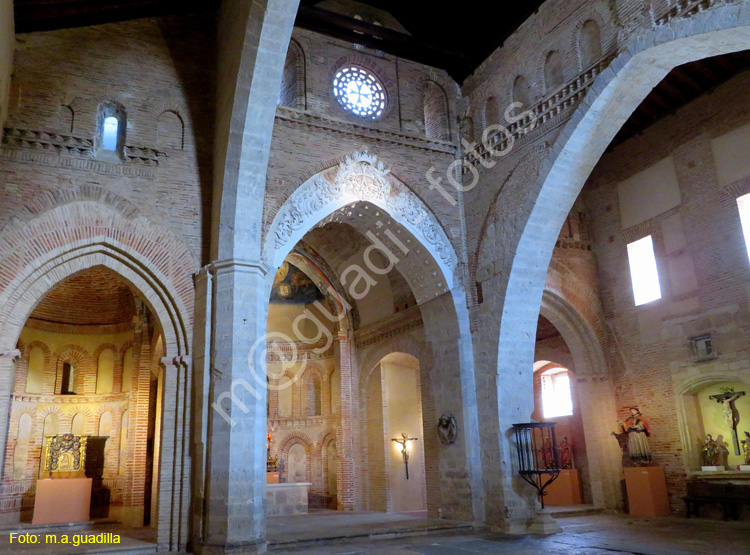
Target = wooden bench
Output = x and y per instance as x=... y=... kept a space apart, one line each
x=729 y=496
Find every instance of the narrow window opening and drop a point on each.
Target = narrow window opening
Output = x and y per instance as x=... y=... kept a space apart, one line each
x=68 y=379
x=643 y=271
x=743 y=203
x=109 y=133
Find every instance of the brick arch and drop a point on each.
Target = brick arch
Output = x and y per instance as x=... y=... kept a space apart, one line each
x=75 y=352
x=369 y=359
x=107 y=346
x=297 y=438
x=132 y=247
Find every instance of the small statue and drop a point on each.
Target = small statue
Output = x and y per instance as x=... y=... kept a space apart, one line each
x=638 y=433
x=566 y=454
x=722 y=459
x=709 y=451
x=746 y=447
x=548 y=458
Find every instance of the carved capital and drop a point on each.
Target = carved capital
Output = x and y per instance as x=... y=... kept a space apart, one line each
x=13 y=354
x=237 y=265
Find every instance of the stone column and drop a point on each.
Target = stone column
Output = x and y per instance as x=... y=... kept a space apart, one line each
x=348 y=434
x=174 y=456
x=231 y=379
x=7 y=379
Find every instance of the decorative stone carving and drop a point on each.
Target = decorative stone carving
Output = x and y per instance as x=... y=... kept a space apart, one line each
x=447 y=429
x=361 y=176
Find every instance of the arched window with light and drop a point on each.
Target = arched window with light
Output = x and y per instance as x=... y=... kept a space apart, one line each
x=110 y=138
x=557 y=399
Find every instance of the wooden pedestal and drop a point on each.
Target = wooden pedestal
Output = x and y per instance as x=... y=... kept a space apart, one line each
x=647 y=491
x=62 y=500
x=272 y=477
x=565 y=490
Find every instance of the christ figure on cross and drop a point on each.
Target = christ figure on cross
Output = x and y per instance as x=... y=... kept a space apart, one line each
x=731 y=414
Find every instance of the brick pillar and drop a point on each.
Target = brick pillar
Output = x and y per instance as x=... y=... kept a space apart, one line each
x=230 y=478
x=348 y=433
x=7 y=375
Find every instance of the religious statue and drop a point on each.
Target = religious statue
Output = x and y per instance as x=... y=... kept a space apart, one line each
x=731 y=414
x=637 y=430
x=722 y=458
x=709 y=451
x=746 y=447
x=566 y=453
x=547 y=456
x=447 y=429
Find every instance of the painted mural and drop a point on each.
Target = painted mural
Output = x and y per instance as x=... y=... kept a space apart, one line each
x=292 y=286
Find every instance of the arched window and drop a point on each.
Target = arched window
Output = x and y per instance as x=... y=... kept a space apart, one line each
x=68 y=379
x=556 y=396
x=292 y=91
x=521 y=92
x=313 y=396
x=590 y=44
x=110 y=138
x=105 y=372
x=78 y=424
x=35 y=373
x=491 y=112
x=50 y=424
x=553 y=72
x=436 y=113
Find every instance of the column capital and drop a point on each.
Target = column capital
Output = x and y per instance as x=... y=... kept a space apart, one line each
x=235 y=265
x=178 y=361
x=13 y=354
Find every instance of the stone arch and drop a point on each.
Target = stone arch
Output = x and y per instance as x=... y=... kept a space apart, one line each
x=615 y=94
x=328 y=191
x=297 y=438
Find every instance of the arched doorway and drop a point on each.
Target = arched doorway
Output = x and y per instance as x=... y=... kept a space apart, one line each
x=392 y=409
x=386 y=270
x=89 y=366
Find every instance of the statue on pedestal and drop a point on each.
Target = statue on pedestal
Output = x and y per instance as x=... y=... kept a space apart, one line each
x=637 y=431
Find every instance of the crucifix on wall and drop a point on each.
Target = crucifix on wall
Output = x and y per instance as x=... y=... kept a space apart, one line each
x=731 y=414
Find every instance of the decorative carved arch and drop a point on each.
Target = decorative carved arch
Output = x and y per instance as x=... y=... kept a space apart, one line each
x=361 y=178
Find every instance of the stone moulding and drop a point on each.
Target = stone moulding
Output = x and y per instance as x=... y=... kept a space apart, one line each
x=360 y=177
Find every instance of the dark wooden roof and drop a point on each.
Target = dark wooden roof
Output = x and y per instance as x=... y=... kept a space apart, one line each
x=456 y=39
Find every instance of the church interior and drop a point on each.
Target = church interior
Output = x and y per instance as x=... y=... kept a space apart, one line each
x=322 y=276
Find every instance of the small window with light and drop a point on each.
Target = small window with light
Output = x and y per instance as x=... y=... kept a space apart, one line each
x=110 y=137
x=556 y=396
x=743 y=204
x=643 y=271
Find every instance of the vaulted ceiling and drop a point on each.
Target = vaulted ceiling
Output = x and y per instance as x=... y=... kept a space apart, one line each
x=456 y=39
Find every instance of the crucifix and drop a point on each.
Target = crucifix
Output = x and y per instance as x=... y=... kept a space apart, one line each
x=731 y=414
x=403 y=441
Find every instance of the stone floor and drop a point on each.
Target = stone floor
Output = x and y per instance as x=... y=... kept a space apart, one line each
x=582 y=535
x=407 y=534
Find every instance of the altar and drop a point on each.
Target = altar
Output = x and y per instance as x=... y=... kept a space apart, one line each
x=287 y=499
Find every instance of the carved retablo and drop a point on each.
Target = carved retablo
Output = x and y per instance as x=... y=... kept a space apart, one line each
x=64 y=453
